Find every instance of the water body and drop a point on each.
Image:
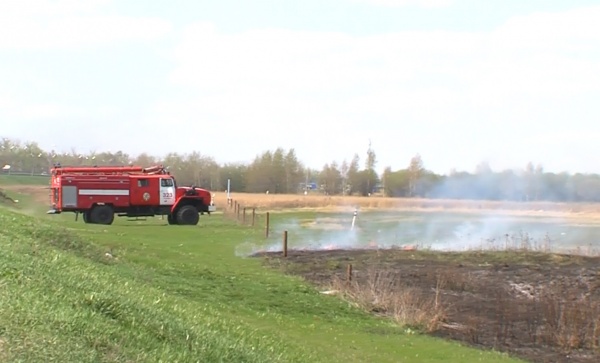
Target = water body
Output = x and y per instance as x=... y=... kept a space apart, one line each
x=446 y=231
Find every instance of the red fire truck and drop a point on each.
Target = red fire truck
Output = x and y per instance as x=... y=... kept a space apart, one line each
x=98 y=193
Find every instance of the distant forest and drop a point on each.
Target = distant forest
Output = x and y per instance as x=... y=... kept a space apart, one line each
x=280 y=171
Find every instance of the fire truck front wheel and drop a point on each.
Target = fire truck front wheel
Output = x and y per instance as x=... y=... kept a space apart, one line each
x=188 y=214
x=102 y=214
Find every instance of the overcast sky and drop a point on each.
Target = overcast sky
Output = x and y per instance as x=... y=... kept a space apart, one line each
x=458 y=81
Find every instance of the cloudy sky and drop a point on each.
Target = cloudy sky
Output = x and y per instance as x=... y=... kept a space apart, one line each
x=458 y=81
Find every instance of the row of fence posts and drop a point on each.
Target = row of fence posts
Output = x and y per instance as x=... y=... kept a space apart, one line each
x=239 y=213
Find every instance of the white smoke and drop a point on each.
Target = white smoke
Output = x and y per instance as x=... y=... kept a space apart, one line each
x=434 y=231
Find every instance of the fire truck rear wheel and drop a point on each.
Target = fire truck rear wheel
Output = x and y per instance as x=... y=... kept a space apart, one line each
x=102 y=214
x=188 y=214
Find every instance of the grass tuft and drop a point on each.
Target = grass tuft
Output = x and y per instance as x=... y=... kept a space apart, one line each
x=382 y=293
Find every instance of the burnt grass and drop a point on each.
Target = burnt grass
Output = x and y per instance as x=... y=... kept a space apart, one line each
x=539 y=307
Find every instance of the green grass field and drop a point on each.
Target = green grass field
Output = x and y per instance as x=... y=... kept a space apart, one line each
x=24 y=179
x=177 y=294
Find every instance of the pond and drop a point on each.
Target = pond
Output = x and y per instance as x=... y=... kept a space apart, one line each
x=444 y=231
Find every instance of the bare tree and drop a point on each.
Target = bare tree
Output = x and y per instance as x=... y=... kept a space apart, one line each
x=415 y=170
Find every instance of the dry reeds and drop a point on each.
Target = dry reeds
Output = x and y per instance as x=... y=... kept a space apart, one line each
x=569 y=319
x=319 y=201
x=380 y=292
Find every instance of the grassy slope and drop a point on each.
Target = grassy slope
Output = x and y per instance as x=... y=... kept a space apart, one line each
x=176 y=294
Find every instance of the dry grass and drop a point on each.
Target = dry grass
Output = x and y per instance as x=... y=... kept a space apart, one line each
x=567 y=318
x=556 y=314
x=322 y=202
x=382 y=293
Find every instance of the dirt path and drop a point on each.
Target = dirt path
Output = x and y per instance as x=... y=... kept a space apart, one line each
x=38 y=194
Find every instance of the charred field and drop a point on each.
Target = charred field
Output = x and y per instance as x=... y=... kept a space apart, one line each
x=534 y=295
x=537 y=306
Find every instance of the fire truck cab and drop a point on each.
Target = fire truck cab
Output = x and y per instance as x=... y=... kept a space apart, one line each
x=98 y=193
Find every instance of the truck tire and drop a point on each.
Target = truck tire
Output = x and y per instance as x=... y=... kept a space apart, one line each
x=86 y=216
x=102 y=214
x=188 y=214
x=171 y=218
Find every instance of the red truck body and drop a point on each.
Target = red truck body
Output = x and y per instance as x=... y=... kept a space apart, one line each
x=132 y=191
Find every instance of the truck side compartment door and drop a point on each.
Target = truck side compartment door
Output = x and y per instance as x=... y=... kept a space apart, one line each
x=69 y=196
x=142 y=193
x=167 y=191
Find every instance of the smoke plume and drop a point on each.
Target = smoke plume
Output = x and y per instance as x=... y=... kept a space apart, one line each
x=438 y=231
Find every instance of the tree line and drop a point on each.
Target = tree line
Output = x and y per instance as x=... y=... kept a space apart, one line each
x=280 y=171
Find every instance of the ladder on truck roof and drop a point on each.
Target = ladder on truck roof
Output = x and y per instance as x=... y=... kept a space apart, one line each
x=118 y=170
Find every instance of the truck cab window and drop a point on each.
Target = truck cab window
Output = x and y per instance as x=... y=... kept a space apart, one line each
x=143 y=182
x=166 y=182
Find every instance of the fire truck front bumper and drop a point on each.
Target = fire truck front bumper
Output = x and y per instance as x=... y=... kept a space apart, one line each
x=53 y=211
x=211 y=208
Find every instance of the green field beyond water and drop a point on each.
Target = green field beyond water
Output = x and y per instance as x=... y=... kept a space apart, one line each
x=148 y=292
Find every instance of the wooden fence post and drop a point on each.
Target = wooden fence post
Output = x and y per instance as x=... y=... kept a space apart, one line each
x=267 y=226
x=349 y=273
x=285 y=243
x=253 y=216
